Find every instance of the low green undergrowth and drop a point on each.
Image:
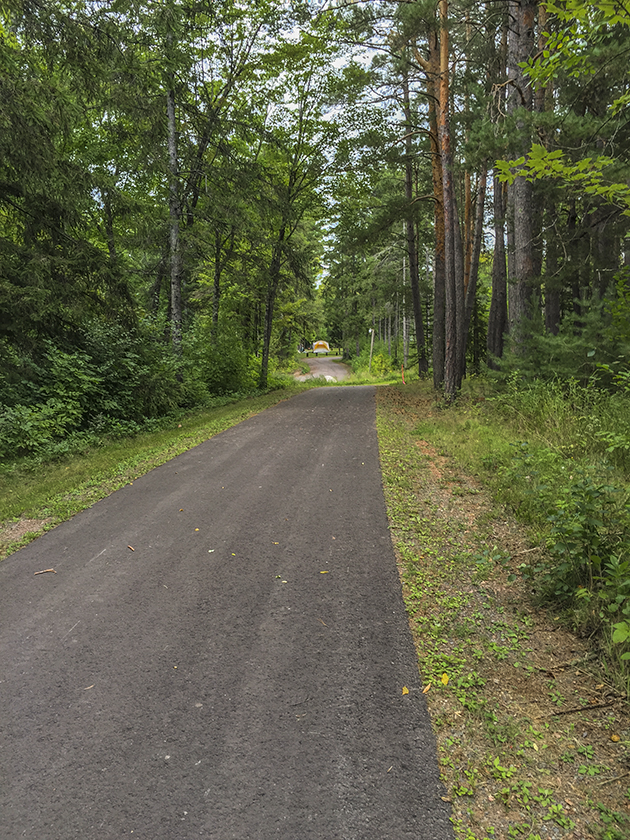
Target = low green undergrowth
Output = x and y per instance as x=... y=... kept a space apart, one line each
x=555 y=454
x=532 y=740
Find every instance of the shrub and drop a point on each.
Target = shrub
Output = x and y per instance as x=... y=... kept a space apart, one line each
x=381 y=362
x=137 y=372
x=217 y=365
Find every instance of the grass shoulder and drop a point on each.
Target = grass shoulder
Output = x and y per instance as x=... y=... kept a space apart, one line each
x=533 y=740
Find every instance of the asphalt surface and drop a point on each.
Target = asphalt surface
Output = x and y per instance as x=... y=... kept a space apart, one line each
x=240 y=673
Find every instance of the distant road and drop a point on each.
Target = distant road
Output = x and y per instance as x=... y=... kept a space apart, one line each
x=325 y=366
x=221 y=650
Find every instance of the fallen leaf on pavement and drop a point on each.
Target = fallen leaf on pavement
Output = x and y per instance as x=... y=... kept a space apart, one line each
x=131 y=548
x=405 y=690
x=426 y=688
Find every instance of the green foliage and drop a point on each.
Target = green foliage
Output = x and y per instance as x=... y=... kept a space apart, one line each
x=575 y=421
x=216 y=365
x=586 y=41
x=113 y=385
x=136 y=371
x=565 y=487
x=587 y=342
x=588 y=540
x=587 y=174
x=382 y=364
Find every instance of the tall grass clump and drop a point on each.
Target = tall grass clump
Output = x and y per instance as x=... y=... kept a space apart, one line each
x=568 y=475
x=574 y=420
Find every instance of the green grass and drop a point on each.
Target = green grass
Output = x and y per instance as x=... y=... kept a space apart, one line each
x=545 y=453
x=506 y=745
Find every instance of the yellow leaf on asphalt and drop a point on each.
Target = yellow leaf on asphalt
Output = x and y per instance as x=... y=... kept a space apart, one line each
x=324 y=573
x=444 y=679
x=426 y=688
x=405 y=689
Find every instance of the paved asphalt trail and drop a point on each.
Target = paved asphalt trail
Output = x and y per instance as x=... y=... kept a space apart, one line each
x=213 y=682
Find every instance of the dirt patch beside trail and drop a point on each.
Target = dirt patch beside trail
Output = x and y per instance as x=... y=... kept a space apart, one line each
x=325 y=366
x=14 y=532
x=533 y=741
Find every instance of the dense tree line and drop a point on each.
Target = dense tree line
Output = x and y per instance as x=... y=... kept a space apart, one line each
x=506 y=155
x=178 y=176
x=160 y=203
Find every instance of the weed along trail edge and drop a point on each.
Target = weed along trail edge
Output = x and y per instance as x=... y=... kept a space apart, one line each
x=533 y=737
x=222 y=650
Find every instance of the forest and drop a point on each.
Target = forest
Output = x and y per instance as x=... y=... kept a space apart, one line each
x=192 y=190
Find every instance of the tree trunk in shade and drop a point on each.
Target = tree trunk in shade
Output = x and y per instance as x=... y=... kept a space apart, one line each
x=414 y=274
x=174 y=223
x=498 y=321
x=521 y=202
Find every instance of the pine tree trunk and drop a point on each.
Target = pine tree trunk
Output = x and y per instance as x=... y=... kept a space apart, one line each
x=453 y=257
x=414 y=273
x=553 y=285
x=475 y=252
x=432 y=69
x=522 y=264
x=497 y=321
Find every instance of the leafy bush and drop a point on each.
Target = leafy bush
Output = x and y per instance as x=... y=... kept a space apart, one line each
x=137 y=373
x=115 y=379
x=217 y=365
x=381 y=362
x=26 y=430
